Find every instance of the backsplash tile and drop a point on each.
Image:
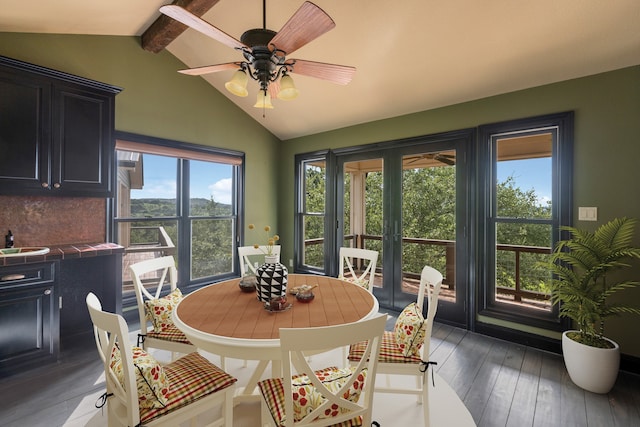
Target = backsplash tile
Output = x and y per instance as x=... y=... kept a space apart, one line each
x=49 y=221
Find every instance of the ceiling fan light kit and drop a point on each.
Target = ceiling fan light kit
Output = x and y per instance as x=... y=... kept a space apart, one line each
x=265 y=53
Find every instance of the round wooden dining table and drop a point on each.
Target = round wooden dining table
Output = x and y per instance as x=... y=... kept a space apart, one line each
x=223 y=320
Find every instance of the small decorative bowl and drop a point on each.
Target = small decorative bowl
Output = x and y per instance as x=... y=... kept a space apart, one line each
x=305 y=296
x=247 y=284
x=277 y=304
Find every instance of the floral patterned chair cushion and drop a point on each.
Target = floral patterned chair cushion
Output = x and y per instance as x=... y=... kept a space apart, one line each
x=159 y=310
x=151 y=380
x=306 y=398
x=409 y=330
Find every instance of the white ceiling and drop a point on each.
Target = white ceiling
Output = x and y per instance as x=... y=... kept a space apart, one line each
x=410 y=55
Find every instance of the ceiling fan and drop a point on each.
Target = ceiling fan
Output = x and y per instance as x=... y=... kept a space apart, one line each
x=265 y=53
x=448 y=159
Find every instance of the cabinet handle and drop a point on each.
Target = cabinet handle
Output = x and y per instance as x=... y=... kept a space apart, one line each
x=47 y=291
x=45 y=185
x=56 y=185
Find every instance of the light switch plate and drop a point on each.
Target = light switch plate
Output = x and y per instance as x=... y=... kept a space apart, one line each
x=587 y=214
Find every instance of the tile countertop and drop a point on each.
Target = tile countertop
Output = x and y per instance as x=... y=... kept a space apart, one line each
x=62 y=252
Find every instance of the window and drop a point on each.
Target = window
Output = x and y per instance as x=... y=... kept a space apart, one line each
x=310 y=213
x=526 y=199
x=180 y=200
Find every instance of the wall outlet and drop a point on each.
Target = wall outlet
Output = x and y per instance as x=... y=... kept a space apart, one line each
x=290 y=262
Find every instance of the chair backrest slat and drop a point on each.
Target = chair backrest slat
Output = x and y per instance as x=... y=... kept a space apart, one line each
x=430 y=284
x=160 y=267
x=111 y=330
x=346 y=260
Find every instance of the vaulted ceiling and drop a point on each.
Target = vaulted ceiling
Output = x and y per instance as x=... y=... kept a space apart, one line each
x=410 y=55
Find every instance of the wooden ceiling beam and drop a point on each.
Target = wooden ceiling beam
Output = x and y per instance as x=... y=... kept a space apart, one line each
x=164 y=29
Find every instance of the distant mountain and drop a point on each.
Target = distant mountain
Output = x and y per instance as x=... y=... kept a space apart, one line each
x=168 y=207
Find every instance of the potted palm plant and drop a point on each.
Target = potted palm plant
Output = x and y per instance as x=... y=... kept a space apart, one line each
x=582 y=283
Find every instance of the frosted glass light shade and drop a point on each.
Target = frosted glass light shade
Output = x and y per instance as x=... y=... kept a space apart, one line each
x=238 y=84
x=264 y=100
x=288 y=89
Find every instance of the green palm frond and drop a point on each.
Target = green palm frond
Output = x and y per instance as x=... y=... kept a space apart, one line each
x=581 y=265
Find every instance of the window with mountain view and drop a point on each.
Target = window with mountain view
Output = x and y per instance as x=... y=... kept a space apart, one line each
x=174 y=202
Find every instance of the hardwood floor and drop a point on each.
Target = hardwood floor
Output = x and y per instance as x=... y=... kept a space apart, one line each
x=502 y=384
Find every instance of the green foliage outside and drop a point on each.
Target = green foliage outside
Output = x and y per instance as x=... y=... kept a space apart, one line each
x=211 y=231
x=428 y=212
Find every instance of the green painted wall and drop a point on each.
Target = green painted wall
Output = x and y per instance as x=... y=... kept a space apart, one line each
x=606 y=153
x=158 y=101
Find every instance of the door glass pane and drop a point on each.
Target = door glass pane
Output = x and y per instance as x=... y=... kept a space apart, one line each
x=429 y=219
x=314 y=184
x=523 y=220
x=363 y=220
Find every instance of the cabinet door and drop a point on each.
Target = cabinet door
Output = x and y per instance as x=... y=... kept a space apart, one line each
x=29 y=317
x=82 y=142
x=24 y=132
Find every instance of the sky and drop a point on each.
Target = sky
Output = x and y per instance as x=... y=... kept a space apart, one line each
x=529 y=174
x=207 y=180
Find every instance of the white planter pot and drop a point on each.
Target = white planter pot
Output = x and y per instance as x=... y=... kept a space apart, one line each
x=591 y=368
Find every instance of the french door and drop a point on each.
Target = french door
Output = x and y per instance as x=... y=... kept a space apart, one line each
x=409 y=203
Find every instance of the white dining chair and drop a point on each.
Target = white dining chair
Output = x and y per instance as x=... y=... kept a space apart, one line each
x=364 y=277
x=249 y=255
x=400 y=360
x=141 y=391
x=329 y=396
x=150 y=279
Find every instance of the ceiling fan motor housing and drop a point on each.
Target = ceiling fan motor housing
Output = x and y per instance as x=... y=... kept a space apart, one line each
x=257 y=37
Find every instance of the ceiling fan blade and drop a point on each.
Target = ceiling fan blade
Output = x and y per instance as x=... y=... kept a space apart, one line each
x=340 y=74
x=445 y=158
x=198 y=71
x=308 y=23
x=274 y=88
x=190 y=20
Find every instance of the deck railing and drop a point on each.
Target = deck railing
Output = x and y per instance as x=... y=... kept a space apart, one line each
x=516 y=292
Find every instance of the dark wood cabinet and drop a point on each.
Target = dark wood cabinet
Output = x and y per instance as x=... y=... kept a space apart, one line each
x=56 y=132
x=29 y=316
x=101 y=275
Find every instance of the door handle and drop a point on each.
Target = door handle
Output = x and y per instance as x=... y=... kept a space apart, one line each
x=396 y=234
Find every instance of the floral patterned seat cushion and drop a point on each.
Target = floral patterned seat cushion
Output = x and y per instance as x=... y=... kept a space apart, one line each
x=151 y=380
x=409 y=330
x=159 y=310
x=306 y=398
